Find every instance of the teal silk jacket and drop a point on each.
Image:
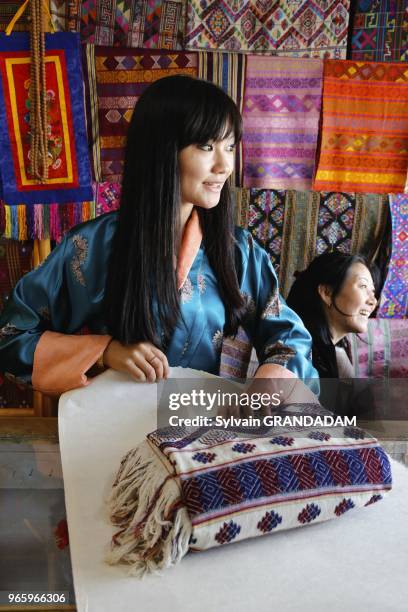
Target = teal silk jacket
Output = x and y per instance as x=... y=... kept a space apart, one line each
x=65 y=294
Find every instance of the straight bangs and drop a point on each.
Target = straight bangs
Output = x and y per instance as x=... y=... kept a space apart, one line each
x=212 y=117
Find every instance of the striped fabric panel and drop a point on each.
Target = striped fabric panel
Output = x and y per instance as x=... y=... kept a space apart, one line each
x=281 y=118
x=228 y=71
x=364 y=145
x=394 y=299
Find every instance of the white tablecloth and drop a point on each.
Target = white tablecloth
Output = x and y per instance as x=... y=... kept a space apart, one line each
x=355 y=563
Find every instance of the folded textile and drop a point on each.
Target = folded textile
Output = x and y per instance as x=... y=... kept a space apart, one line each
x=184 y=490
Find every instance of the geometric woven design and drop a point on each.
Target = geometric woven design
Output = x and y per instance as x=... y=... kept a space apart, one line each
x=299 y=29
x=69 y=178
x=151 y=24
x=364 y=144
x=295 y=226
x=394 y=297
x=233 y=489
x=281 y=118
x=381 y=352
x=380 y=31
x=227 y=70
x=114 y=80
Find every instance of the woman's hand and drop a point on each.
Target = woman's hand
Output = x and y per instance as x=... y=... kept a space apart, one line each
x=143 y=361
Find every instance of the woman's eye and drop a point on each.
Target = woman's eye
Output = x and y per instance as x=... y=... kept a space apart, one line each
x=231 y=147
x=206 y=147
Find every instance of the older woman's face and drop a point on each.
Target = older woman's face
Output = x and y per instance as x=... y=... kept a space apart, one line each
x=204 y=168
x=354 y=303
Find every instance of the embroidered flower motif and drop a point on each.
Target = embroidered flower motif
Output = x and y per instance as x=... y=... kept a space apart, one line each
x=269 y=521
x=249 y=304
x=204 y=457
x=8 y=330
x=217 y=340
x=186 y=291
x=272 y=306
x=373 y=499
x=81 y=252
x=243 y=448
x=354 y=432
x=278 y=353
x=44 y=313
x=343 y=506
x=282 y=441
x=319 y=435
x=201 y=283
x=309 y=513
x=228 y=532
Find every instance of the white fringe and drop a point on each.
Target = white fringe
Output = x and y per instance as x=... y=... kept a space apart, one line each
x=146 y=541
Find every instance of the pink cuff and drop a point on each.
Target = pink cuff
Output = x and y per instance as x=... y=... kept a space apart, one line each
x=273 y=370
x=61 y=360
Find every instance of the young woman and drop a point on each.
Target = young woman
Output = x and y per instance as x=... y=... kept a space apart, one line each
x=334 y=296
x=164 y=280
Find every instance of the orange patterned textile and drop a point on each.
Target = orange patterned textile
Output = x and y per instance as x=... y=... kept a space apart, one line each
x=364 y=144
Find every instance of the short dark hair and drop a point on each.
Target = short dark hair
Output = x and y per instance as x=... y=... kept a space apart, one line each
x=171 y=114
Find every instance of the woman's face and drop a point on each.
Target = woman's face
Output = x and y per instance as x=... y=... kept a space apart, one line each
x=354 y=303
x=204 y=168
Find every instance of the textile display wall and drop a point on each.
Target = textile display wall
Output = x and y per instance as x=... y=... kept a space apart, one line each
x=316 y=117
x=294 y=227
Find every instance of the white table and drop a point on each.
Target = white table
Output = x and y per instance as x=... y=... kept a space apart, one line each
x=355 y=563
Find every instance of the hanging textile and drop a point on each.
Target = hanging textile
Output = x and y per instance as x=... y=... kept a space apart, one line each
x=381 y=352
x=114 y=80
x=294 y=227
x=297 y=29
x=228 y=71
x=379 y=31
x=281 y=120
x=152 y=24
x=364 y=144
x=69 y=171
x=394 y=300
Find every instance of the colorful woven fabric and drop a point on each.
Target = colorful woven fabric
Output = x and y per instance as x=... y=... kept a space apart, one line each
x=210 y=487
x=394 y=298
x=228 y=71
x=152 y=24
x=281 y=120
x=293 y=227
x=382 y=352
x=54 y=220
x=365 y=128
x=302 y=29
x=380 y=31
x=69 y=169
x=114 y=80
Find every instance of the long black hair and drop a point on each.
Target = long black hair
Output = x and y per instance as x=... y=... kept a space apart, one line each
x=328 y=269
x=141 y=299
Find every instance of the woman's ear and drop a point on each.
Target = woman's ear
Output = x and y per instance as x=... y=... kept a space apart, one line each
x=325 y=293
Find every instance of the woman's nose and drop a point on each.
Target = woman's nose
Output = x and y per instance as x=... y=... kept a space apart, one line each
x=222 y=164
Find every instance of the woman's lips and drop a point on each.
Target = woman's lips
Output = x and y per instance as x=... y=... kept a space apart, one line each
x=213 y=186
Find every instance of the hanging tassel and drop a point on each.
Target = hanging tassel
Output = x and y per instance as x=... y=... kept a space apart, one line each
x=146 y=503
x=22 y=222
x=14 y=222
x=86 y=211
x=30 y=222
x=46 y=221
x=55 y=226
x=7 y=222
x=38 y=221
